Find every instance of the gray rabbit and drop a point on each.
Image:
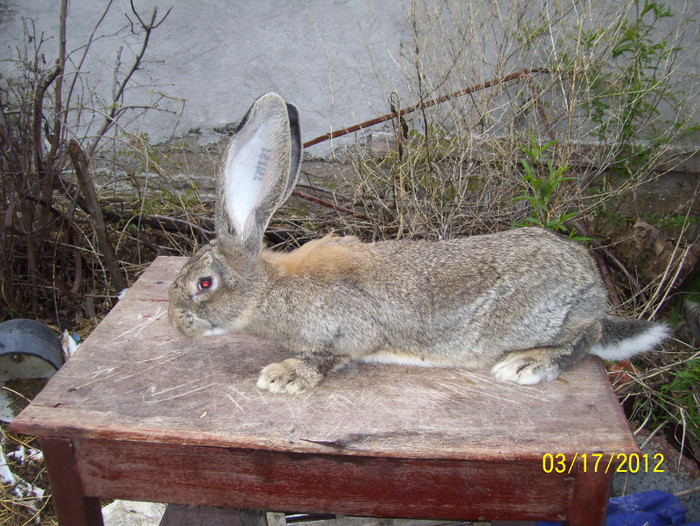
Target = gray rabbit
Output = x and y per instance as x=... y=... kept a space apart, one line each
x=526 y=303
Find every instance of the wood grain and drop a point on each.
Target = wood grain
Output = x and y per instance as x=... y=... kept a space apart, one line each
x=371 y=486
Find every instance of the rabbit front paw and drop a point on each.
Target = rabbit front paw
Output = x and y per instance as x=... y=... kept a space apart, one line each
x=292 y=376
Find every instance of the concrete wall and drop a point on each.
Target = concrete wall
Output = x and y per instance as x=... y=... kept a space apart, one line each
x=338 y=60
x=213 y=58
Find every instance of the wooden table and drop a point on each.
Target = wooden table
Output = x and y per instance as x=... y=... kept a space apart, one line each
x=143 y=413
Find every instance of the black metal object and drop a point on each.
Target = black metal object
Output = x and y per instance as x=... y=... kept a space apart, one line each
x=33 y=338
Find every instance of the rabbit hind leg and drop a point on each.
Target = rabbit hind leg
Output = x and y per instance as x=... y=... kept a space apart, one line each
x=532 y=366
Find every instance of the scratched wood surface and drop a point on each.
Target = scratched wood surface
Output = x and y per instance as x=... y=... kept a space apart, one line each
x=136 y=378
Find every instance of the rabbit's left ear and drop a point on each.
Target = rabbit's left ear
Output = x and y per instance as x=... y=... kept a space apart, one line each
x=259 y=173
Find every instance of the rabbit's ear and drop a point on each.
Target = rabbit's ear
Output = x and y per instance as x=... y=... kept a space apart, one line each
x=260 y=170
x=297 y=147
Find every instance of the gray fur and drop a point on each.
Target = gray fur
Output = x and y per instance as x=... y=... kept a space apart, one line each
x=525 y=302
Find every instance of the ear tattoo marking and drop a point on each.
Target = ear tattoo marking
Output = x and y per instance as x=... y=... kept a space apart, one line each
x=263 y=160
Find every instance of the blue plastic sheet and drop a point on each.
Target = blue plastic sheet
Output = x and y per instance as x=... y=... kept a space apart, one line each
x=655 y=508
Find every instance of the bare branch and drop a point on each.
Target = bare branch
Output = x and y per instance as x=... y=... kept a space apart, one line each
x=80 y=164
x=121 y=86
x=87 y=46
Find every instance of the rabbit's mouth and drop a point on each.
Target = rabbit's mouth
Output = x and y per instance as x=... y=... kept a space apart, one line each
x=190 y=324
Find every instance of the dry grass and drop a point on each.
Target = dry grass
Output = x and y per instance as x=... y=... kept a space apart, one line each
x=20 y=510
x=18 y=506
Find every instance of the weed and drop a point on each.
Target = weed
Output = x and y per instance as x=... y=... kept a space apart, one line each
x=627 y=97
x=671 y=221
x=542 y=190
x=680 y=396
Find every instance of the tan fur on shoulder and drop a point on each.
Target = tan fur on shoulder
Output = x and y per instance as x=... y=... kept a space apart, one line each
x=329 y=257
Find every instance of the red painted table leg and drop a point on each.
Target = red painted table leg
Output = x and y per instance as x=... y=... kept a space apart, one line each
x=73 y=507
x=589 y=505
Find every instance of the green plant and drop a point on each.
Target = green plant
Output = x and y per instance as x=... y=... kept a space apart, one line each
x=628 y=92
x=671 y=221
x=683 y=388
x=680 y=400
x=667 y=397
x=543 y=182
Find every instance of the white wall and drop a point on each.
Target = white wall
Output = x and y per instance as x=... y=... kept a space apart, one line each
x=217 y=56
x=338 y=60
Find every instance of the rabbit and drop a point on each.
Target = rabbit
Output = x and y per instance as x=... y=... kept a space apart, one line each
x=525 y=302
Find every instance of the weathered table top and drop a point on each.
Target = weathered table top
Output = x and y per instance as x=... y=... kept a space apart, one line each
x=137 y=379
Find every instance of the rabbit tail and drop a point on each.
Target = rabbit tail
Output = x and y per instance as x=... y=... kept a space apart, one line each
x=623 y=338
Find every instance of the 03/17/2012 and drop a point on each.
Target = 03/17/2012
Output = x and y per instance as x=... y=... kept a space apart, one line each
x=621 y=462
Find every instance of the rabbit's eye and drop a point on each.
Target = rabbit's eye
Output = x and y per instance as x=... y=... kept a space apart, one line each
x=204 y=284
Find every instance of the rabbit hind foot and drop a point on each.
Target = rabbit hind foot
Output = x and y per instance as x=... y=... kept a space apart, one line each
x=526 y=367
x=533 y=366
